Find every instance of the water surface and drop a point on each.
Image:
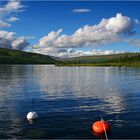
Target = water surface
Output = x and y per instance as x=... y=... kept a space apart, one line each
x=68 y=101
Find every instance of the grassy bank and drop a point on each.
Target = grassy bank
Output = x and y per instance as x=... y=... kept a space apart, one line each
x=135 y=64
x=127 y=59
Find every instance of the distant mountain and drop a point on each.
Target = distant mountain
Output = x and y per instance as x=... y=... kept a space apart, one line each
x=123 y=59
x=9 y=56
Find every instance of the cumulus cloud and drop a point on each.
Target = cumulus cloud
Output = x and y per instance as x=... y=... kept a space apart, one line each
x=12 y=41
x=81 y=10
x=108 y=31
x=12 y=7
x=49 y=39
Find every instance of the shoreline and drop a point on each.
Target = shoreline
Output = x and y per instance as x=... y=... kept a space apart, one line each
x=134 y=64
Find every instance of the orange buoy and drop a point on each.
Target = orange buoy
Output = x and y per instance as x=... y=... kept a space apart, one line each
x=101 y=127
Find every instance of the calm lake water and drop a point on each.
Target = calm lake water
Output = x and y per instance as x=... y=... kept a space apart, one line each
x=68 y=101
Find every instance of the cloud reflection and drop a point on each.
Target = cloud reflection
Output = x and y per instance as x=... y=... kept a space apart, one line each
x=82 y=82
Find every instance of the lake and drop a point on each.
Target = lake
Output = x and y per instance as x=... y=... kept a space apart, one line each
x=68 y=101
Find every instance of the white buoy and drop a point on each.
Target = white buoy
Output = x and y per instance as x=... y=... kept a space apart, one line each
x=32 y=115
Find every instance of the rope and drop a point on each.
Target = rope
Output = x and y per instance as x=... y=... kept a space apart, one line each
x=104 y=129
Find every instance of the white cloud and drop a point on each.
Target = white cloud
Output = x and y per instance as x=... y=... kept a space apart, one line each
x=107 y=31
x=136 y=43
x=11 y=6
x=137 y=21
x=81 y=10
x=12 y=19
x=120 y=24
x=64 y=53
x=4 y=24
x=76 y=53
x=112 y=30
x=10 y=40
x=20 y=43
x=8 y=10
x=48 y=40
x=133 y=42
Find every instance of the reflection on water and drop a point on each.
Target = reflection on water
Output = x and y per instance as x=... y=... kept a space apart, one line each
x=69 y=99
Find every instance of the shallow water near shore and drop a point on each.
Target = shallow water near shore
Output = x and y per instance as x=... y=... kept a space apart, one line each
x=68 y=101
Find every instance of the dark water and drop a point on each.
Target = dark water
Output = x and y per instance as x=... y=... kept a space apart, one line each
x=68 y=101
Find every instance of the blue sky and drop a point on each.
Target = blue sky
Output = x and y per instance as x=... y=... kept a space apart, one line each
x=41 y=17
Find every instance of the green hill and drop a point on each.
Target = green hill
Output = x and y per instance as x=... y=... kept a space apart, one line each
x=8 y=56
x=124 y=59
